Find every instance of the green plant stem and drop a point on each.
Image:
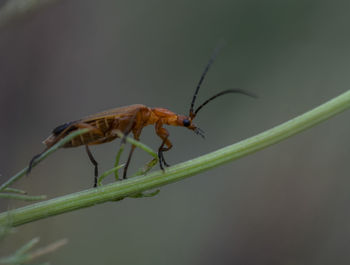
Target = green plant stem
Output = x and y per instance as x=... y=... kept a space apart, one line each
x=133 y=186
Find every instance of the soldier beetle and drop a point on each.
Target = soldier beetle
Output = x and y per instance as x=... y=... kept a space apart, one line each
x=104 y=127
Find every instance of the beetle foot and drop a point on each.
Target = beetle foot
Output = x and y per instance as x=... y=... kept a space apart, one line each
x=162 y=160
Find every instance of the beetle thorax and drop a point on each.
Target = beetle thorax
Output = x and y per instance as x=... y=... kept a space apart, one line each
x=164 y=115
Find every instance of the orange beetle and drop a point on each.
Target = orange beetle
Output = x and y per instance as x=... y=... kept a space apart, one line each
x=103 y=127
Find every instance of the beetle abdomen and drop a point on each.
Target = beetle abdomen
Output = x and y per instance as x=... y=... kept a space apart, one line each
x=99 y=133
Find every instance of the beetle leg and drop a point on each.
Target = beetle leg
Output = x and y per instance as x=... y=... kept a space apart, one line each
x=128 y=161
x=33 y=160
x=94 y=162
x=137 y=138
x=31 y=163
x=161 y=150
x=93 y=129
x=163 y=134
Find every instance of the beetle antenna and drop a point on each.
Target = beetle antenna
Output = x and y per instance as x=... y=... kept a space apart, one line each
x=211 y=60
x=239 y=91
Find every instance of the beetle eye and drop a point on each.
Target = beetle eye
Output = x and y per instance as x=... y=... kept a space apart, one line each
x=186 y=122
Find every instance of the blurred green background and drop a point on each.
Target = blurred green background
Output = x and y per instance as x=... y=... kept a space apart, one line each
x=288 y=204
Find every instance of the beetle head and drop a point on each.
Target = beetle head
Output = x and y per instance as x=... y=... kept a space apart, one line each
x=186 y=121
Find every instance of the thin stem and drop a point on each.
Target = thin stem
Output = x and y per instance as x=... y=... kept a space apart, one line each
x=13 y=190
x=138 y=144
x=121 y=189
x=107 y=173
x=116 y=164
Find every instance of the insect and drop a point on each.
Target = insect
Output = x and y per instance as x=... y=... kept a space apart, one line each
x=103 y=127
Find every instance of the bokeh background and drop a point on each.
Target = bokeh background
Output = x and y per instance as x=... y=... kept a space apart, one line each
x=287 y=204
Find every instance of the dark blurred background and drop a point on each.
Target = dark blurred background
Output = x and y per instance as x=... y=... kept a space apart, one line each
x=287 y=204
